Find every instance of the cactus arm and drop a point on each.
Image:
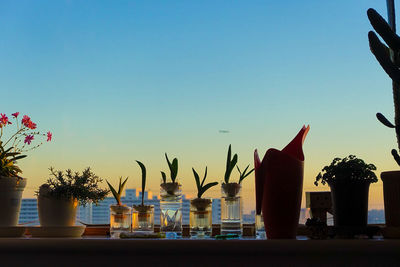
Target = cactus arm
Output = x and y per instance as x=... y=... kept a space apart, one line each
x=396 y=156
x=380 y=52
x=384 y=121
x=383 y=29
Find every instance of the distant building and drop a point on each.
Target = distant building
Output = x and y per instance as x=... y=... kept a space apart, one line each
x=29 y=214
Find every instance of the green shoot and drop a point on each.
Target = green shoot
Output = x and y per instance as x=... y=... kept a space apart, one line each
x=117 y=195
x=244 y=174
x=201 y=188
x=230 y=164
x=173 y=167
x=143 y=168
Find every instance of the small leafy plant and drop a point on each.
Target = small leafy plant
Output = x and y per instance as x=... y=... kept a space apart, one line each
x=173 y=167
x=201 y=188
x=13 y=145
x=83 y=187
x=117 y=194
x=347 y=170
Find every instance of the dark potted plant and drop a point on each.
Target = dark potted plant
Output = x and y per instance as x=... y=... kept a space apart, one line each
x=200 y=219
x=389 y=58
x=349 y=179
x=59 y=197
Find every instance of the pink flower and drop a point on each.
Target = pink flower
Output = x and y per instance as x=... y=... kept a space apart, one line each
x=4 y=119
x=28 y=139
x=25 y=120
x=31 y=125
x=15 y=115
x=49 y=136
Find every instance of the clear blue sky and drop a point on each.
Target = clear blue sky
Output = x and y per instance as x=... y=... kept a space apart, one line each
x=123 y=80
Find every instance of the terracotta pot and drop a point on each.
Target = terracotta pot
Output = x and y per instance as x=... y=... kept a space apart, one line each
x=350 y=203
x=391 y=195
x=57 y=212
x=11 y=189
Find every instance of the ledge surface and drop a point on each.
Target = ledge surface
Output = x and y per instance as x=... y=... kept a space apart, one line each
x=102 y=251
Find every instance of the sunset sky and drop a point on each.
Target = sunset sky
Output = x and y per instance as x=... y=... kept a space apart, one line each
x=119 y=81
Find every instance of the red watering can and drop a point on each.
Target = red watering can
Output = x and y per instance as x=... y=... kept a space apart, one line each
x=279 y=186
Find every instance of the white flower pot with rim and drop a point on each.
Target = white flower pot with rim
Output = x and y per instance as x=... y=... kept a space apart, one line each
x=11 y=189
x=57 y=212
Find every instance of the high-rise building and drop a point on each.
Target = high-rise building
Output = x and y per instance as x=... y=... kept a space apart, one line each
x=29 y=214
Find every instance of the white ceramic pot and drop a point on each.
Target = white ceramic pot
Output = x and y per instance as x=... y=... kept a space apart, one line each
x=11 y=189
x=57 y=212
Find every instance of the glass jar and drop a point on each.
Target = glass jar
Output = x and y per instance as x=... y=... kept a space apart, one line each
x=120 y=220
x=143 y=218
x=260 y=228
x=231 y=209
x=171 y=210
x=200 y=219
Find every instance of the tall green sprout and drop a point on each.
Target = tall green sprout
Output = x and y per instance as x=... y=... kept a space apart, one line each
x=143 y=168
x=201 y=188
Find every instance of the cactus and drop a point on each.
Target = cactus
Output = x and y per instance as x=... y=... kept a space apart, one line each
x=389 y=59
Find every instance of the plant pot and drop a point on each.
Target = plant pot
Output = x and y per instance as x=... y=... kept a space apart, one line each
x=391 y=195
x=57 y=212
x=200 y=219
x=171 y=210
x=231 y=209
x=143 y=218
x=120 y=219
x=11 y=189
x=350 y=203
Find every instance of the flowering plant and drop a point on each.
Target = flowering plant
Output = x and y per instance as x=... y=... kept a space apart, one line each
x=12 y=146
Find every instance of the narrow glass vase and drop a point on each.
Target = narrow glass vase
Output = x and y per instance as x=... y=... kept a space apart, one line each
x=143 y=218
x=200 y=218
x=171 y=210
x=231 y=209
x=120 y=220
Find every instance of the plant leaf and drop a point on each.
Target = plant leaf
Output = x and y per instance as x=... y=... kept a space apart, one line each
x=245 y=175
x=164 y=177
x=174 y=170
x=116 y=196
x=19 y=157
x=197 y=178
x=119 y=186
x=205 y=188
x=204 y=179
x=228 y=164
x=143 y=168
x=123 y=185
